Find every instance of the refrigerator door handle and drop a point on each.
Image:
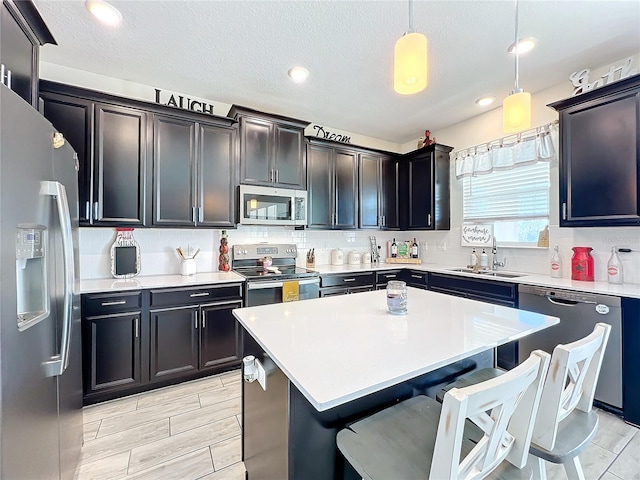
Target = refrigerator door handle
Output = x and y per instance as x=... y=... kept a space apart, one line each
x=59 y=363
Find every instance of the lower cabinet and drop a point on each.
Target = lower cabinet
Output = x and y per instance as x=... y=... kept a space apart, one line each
x=136 y=341
x=345 y=283
x=113 y=351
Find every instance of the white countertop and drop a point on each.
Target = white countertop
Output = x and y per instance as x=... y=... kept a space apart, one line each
x=157 y=281
x=625 y=290
x=337 y=349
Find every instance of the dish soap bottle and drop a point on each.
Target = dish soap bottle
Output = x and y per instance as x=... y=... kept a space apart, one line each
x=556 y=263
x=484 y=259
x=473 y=260
x=614 y=267
x=394 y=249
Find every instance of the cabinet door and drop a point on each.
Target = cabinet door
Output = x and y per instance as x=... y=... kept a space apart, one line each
x=390 y=203
x=119 y=170
x=289 y=159
x=18 y=55
x=256 y=152
x=420 y=194
x=174 y=342
x=346 y=189
x=600 y=169
x=174 y=165
x=219 y=335
x=320 y=186
x=73 y=118
x=111 y=356
x=216 y=184
x=370 y=215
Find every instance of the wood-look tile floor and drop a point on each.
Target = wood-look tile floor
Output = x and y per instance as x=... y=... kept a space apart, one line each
x=187 y=431
x=192 y=431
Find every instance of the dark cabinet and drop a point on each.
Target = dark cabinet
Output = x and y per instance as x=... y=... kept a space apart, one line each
x=22 y=31
x=112 y=331
x=174 y=342
x=416 y=278
x=332 y=187
x=195 y=337
x=382 y=278
x=220 y=335
x=600 y=156
x=427 y=198
x=272 y=149
x=120 y=164
x=378 y=192
x=346 y=283
x=74 y=118
x=193 y=173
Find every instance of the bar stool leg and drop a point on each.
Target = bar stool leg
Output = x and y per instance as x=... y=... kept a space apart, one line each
x=574 y=469
x=538 y=467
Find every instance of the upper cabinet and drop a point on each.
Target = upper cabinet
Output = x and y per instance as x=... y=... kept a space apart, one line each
x=426 y=200
x=600 y=156
x=378 y=192
x=22 y=31
x=141 y=166
x=193 y=173
x=332 y=187
x=272 y=149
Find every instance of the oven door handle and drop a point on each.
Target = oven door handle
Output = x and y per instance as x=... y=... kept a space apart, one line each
x=263 y=285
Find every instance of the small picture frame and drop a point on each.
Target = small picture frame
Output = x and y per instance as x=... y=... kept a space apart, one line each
x=476 y=235
x=125 y=254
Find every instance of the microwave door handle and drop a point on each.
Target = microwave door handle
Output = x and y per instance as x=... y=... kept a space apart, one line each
x=59 y=363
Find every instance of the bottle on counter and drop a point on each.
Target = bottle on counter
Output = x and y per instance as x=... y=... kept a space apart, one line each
x=484 y=259
x=394 y=249
x=556 y=263
x=414 y=248
x=614 y=267
x=473 y=259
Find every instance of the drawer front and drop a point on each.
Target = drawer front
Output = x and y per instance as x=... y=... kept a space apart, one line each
x=382 y=278
x=106 y=303
x=416 y=278
x=347 y=280
x=192 y=296
x=478 y=288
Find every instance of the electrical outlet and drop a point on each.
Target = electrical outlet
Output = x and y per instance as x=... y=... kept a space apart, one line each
x=441 y=246
x=262 y=375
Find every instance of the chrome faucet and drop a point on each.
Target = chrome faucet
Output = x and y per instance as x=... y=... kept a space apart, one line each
x=494 y=257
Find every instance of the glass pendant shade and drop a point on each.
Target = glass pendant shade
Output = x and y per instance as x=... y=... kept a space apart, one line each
x=410 y=64
x=516 y=112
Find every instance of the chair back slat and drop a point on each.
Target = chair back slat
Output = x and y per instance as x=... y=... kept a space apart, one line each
x=571 y=383
x=504 y=409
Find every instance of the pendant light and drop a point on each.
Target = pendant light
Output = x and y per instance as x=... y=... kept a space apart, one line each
x=516 y=108
x=410 y=60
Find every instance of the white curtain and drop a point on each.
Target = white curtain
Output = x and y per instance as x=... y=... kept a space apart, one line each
x=531 y=146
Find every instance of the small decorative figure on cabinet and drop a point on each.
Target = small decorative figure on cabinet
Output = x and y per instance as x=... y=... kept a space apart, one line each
x=223 y=259
x=427 y=140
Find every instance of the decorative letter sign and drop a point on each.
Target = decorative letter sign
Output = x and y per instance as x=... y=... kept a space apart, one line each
x=580 y=79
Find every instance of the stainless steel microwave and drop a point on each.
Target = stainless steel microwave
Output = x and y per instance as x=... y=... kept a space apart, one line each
x=272 y=206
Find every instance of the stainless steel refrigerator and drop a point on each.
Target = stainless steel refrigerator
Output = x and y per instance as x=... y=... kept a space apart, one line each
x=40 y=342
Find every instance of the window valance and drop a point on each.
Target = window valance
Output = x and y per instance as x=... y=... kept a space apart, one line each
x=526 y=148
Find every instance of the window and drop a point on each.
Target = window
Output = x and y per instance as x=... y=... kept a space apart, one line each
x=516 y=201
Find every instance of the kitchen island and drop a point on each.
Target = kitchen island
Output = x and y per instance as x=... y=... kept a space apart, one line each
x=331 y=361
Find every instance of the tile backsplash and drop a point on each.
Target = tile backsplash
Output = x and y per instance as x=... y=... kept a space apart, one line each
x=158 y=254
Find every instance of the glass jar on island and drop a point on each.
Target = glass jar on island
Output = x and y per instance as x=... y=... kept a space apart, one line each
x=397 y=297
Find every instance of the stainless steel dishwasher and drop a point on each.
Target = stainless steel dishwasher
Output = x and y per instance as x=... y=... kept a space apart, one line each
x=578 y=313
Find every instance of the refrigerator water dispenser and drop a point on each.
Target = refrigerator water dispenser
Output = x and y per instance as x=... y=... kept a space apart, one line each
x=31 y=275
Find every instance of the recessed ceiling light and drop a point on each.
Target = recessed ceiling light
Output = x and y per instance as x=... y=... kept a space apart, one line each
x=484 y=101
x=105 y=12
x=298 y=74
x=524 y=45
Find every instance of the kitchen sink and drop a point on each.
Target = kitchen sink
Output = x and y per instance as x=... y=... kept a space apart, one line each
x=485 y=273
x=500 y=274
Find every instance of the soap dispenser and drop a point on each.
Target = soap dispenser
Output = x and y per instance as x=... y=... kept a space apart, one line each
x=484 y=259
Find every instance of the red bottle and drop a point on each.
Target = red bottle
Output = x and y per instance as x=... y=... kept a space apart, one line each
x=582 y=264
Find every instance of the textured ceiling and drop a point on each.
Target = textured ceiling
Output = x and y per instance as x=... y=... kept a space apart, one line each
x=239 y=52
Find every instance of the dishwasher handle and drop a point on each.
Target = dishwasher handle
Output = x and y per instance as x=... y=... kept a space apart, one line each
x=567 y=303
